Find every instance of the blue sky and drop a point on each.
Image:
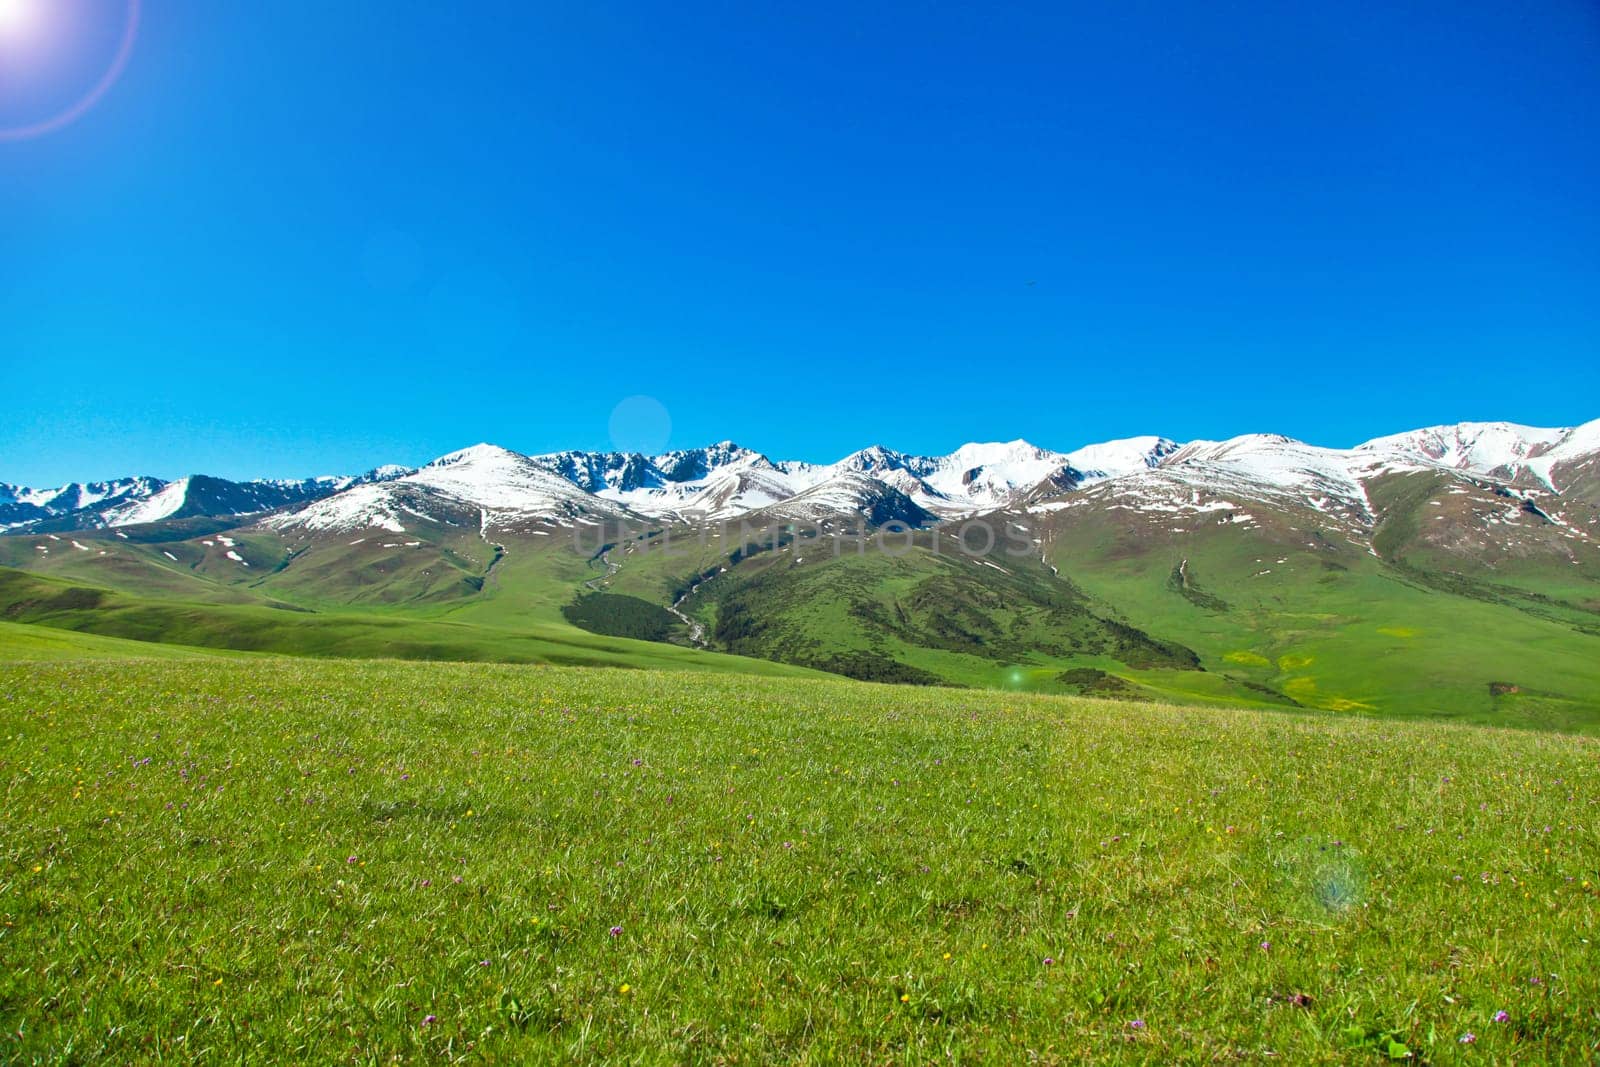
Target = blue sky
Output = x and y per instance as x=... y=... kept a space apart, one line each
x=298 y=238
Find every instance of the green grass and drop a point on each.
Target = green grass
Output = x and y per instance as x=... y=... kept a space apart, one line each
x=268 y=860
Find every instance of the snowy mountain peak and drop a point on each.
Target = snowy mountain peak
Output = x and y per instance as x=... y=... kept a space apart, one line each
x=1505 y=450
x=1113 y=458
x=1478 y=446
x=991 y=453
x=478 y=454
x=873 y=458
x=687 y=465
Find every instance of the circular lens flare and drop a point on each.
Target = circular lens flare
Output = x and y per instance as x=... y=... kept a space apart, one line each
x=22 y=20
x=640 y=424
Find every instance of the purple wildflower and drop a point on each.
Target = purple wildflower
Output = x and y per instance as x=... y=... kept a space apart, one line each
x=616 y=931
x=352 y=859
x=429 y=1020
x=1469 y=1038
x=1502 y=1017
x=1049 y=961
x=1266 y=946
x=1137 y=1024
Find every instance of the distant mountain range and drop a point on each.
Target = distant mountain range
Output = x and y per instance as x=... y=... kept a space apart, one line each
x=1452 y=570
x=138 y=500
x=725 y=481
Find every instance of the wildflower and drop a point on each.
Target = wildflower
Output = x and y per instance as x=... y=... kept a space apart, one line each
x=429 y=1020
x=616 y=931
x=352 y=859
x=1137 y=1024
x=1266 y=946
x=905 y=998
x=1049 y=961
x=625 y=989
x=1468 y=1038
x=216 y=983
x=1502 y=1017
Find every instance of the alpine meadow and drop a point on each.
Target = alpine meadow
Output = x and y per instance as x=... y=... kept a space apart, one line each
x=1139 y=602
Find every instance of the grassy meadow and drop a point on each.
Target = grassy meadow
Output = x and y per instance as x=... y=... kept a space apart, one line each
x=263 y=859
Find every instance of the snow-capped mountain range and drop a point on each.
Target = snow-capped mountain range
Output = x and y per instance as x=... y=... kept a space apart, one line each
x=134 y=501
x=494 y=486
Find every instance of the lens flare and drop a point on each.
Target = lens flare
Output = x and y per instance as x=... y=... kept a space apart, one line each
x=17 y=17
x=640 y=424
x=23 y=20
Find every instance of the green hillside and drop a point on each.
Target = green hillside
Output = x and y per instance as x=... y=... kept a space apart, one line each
x=55 y=604
x=20 y=642
x=1334 y=627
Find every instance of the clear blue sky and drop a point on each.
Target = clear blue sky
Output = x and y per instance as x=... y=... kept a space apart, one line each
x=303 y=237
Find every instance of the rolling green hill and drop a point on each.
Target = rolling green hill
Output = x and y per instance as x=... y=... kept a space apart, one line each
x=48 y=604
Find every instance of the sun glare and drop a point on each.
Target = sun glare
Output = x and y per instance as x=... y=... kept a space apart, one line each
x=32 y=26
x=17 y=16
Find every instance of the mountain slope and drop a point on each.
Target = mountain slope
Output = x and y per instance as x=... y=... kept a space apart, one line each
x=1496 y=449
x=485 y=486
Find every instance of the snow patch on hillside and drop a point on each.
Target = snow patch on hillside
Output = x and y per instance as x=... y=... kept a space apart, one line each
x=163 y=504
x=358 y=508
